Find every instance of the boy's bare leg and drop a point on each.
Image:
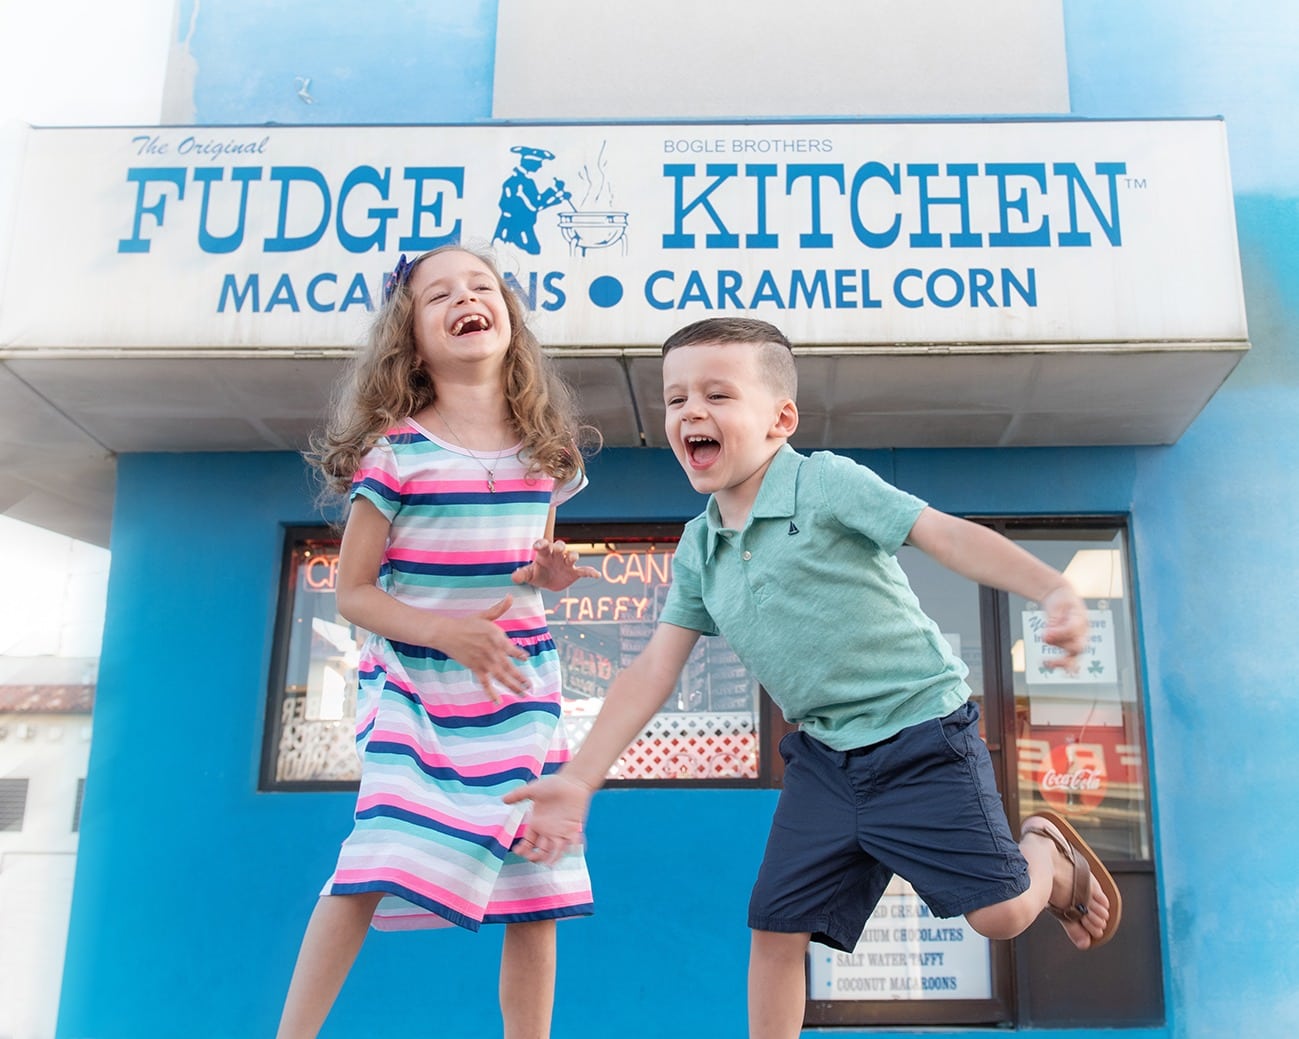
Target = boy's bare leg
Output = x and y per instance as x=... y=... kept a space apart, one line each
x=527 y=990
x=777 y=984
x=333 y=938
x=1050 y=878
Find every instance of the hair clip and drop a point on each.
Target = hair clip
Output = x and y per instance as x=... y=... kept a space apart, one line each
x=392 y=282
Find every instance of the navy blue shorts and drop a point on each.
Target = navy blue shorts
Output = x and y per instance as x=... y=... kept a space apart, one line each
x=922 y=804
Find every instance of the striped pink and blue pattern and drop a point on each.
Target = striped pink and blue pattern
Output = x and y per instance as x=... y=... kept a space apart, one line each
x=431 y=831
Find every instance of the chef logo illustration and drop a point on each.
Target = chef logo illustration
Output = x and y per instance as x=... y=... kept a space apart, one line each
x=592 y=225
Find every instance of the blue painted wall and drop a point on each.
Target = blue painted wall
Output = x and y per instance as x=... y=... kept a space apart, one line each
x=192 y=888
x=1215 y=518
x=342 y=61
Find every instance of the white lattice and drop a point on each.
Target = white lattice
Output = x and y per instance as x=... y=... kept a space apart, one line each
x=693 y=745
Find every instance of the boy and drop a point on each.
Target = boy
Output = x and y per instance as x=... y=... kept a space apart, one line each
x=793 y=563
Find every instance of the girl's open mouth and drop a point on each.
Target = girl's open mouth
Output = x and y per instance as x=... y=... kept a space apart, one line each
x=470 y=323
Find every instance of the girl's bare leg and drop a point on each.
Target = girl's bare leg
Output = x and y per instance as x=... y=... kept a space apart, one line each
x=527 y=988
x=333 y=938
x=777 y=984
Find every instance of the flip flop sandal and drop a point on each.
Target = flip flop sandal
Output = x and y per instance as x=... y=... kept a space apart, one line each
x=1087 y=867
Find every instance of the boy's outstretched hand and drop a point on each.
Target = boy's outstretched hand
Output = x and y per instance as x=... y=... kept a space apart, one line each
x=1067 y=626
x=554 y=567
x=559 y=807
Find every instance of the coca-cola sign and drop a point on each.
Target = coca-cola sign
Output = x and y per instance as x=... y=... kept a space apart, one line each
x=1068 y=783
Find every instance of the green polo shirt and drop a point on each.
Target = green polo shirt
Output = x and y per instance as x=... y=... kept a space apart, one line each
x=812 y=599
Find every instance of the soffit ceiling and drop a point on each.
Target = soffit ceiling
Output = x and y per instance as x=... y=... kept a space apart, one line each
x=63 y=421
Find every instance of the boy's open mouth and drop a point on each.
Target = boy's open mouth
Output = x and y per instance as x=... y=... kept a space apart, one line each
x=470 y=323
x=702 y=450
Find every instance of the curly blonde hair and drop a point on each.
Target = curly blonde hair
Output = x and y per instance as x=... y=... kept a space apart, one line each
x=386 y=383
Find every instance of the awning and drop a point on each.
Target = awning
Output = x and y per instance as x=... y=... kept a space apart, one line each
x=947 y=283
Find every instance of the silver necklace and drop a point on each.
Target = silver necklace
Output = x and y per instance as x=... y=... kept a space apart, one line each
x=489 y=470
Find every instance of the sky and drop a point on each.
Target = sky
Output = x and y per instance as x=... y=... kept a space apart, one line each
x=51 y=604
x=83 y=62
x=75 y=63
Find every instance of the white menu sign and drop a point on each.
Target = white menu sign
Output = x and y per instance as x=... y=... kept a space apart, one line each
x=1097 y=664
x=905 y=952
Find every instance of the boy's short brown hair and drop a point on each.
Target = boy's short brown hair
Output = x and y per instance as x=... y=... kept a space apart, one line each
x=776 y=356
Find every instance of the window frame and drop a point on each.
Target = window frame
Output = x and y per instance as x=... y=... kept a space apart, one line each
x=1025 y=968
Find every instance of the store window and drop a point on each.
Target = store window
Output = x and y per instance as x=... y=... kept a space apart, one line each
x=710 y=731
x=1079 y=737
x=311 y=710
x=711 y=728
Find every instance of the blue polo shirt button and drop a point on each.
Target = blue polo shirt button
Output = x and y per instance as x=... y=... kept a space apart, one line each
x=747 y=555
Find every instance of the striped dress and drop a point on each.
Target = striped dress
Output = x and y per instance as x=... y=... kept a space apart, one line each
x=431 y=830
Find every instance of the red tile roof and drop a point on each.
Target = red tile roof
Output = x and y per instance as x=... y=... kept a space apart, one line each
x=47 y=699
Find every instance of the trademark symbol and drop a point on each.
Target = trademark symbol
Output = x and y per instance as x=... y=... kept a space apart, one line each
x=1135 y=183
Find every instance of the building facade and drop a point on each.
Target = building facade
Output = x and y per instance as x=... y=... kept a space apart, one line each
x=1037 y=260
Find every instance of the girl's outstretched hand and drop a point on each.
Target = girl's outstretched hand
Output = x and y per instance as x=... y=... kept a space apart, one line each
x=476 y=643
x=553 y=568
x=559 y=807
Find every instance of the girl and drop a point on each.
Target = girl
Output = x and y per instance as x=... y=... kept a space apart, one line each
x=456 y=441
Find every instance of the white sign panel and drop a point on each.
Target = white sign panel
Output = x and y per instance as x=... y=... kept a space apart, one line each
x=1097 y=664
x=905 y=952
x=1015 y=234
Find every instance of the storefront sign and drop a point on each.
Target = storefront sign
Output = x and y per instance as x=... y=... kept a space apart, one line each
x=1017 y=233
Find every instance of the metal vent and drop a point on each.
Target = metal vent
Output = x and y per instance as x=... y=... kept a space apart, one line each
x=13 y=803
